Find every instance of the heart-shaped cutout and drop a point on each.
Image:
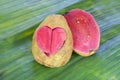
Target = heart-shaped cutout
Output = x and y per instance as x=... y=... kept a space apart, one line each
x=50 y=40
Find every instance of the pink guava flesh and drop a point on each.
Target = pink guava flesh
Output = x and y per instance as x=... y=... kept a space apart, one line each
x=85 y=31
x=50 y=40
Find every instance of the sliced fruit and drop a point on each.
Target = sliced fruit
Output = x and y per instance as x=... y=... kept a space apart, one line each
x=52 y=42
x=85 y=31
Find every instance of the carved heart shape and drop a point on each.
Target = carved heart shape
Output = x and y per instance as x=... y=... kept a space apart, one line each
x=50 y=40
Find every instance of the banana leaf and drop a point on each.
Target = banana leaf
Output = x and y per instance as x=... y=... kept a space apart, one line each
x=20 y=18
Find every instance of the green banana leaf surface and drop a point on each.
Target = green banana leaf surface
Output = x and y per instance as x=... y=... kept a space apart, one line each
x=20 y=18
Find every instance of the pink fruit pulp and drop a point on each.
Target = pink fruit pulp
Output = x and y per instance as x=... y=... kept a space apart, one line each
x=50 y=40
x=85 y=31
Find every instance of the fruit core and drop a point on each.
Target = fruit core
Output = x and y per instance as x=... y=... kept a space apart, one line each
x=50 y=40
